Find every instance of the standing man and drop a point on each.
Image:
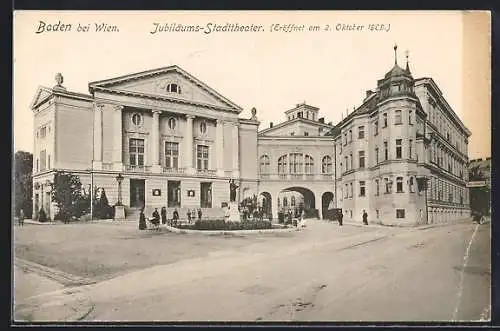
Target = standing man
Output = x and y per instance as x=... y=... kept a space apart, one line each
x=365 y=217
x=21 y=217
x=340 y=217
x=199 y=214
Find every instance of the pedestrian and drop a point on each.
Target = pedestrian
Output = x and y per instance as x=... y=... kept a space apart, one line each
x=340 y=217
x=156 y=217
x=142 y=220
x=189 y=216
x=175 y=217
x=365 y=217
x=199 y=214
x=163 y=215
x=21 y=217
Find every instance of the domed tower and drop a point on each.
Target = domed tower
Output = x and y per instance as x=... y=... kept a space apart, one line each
x=398 y=81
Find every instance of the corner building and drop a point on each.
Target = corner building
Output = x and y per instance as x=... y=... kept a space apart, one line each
x=401 y=155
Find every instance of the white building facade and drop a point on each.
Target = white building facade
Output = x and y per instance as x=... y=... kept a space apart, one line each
x=401 y=155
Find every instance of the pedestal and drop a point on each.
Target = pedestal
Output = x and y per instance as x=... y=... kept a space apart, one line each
x=234 y=214
x=119 y=213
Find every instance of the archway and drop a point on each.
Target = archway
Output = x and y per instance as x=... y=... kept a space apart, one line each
x=327 y=205
x=295 y=199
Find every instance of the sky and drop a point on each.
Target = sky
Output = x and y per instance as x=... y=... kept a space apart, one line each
x=271 y=71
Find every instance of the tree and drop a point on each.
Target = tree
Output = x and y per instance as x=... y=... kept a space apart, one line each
x=68 y=195
x=475 y=174
x=23 y=183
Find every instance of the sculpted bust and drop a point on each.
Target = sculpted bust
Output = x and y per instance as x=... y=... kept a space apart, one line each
x=254 y=113
x=59 y=79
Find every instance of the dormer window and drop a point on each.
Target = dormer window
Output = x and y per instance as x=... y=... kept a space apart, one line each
x=173 y=88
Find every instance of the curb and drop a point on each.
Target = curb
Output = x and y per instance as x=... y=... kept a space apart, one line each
x=61 y=306
x=225 y=232
x=61 y=277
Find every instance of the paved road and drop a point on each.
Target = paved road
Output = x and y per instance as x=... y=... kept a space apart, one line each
x=326 y=273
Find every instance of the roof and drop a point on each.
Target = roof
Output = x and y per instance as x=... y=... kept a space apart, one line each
x=397 y=71
x=297 y=119
x=107 y=83
x=44 y=93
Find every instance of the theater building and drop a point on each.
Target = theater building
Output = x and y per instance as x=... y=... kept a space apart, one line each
x=401 y=155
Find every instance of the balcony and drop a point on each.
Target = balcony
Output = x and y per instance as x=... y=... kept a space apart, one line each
x=173 y=171
x=206 y=172
x=137 y=168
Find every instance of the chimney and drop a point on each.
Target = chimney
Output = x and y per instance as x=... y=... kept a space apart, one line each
x=330 y=123
x=321 y=120
x=271 y=124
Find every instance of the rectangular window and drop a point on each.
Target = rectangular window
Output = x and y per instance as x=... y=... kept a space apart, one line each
x=136 y=152
x=400 y=213
x=397 y=117
x=376 y=155
x=37 y=165
x=202 y=157
x=351 y=190
x=306 y=134
x=43 y=132
x=362 y=188
x=292 y=133
x=377 y=187
x=171 y=155
x=385 y=120
x=376 y=127
x=346 y=163
x=410 y=117
x=387 y=185
x=410 y=150
x=386 y=151
x=346 y=192
x=350 y=135
x=412 y=185
x=352 y=161
x=399 y=150
x=361 y=132
x=361 y=159
x=43 y=160
x=48 y=161
x=378 y=214
x=345 y=138
x=399 y=184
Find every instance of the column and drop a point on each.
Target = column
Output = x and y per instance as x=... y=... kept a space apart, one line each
x=189 y=145
x=236 y=151
x=219 y=141
x=155 y=142
x=97 y=159
x=118 y=137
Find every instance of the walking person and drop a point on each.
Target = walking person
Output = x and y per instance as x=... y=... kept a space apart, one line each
x=340 y=217
x=142 y=220
x=365 y=217
x=163 y=215
x=189 y=216
x=156 y=218
x=199 y=214
x=175 y=217
x=21 y=217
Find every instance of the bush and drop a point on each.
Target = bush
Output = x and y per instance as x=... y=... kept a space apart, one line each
x=42 y=217
x=222 y=225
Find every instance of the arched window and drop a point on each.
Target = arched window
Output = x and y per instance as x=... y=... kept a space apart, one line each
x=282 y=164
x=292 y=201
x=173 y=88
x=295 y=163
x=326 y=165
x=172 y=123
x=309 y=164
x=264 y=164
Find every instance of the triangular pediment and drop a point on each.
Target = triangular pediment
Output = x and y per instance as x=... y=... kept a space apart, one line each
x=41 y=94
x=158 y=83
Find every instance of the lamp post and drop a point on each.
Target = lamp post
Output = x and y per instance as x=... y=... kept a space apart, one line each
x=119 y=208
x=119 y=179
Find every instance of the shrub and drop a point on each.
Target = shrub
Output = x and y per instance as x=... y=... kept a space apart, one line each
x=222 y=225
x=42 y=217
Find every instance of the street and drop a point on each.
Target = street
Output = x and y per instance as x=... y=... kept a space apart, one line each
x=323 y=273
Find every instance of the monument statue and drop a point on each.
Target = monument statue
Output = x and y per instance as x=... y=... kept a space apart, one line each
x=59 y=79
x=254 y=114
x=232 y=190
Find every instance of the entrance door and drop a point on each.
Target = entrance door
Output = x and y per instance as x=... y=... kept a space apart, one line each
x=206 y=195
x=173 y=193
x=137 y=190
